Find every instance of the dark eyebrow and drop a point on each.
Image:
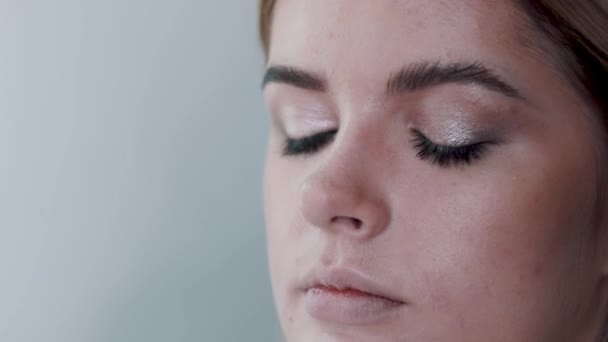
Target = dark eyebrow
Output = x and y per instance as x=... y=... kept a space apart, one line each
x=426 y=74
x=294 y=77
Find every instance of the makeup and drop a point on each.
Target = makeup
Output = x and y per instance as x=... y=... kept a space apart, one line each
x=459 y=133
x=299 y=122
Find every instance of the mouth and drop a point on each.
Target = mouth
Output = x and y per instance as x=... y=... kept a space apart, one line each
x=348 y=297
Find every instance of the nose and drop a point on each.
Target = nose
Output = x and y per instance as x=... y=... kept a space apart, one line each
x=340 y=197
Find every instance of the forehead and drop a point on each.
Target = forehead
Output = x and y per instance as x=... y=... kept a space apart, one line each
x=342 y=36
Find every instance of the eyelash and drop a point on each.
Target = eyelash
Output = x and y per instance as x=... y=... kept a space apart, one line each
x=441 y=155
x=308 y=145
x=445 y=156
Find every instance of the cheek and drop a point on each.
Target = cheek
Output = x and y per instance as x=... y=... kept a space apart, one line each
x=506 y=241
x=281 y=201
x=276 y=210
x=290 y=242
x=283 y=231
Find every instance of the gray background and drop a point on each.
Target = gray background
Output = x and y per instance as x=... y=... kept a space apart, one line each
x=131 y=150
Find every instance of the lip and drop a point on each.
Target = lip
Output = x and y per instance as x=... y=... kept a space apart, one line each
x=347 y=296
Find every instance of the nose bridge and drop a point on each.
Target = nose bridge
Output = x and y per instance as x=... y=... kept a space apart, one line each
x=342 y=195
x=351 y=165
x=348 y=162
x=359 y=153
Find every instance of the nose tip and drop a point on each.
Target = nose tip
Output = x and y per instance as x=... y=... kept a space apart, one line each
x=343 y=205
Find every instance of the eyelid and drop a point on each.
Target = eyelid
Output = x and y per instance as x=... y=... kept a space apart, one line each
x=300 y=123
x=300 y=113
x=309 y=144
x=463 y=141
x=447 y=155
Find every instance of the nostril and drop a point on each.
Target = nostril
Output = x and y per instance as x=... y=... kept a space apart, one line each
x=354 y=222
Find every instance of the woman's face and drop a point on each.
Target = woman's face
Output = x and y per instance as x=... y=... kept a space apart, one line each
x=430 y=176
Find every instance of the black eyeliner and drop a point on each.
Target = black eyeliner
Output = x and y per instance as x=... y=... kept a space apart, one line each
x=308 y=145
x=445 y=156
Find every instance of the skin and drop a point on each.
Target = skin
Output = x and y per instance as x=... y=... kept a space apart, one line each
x=505 y=248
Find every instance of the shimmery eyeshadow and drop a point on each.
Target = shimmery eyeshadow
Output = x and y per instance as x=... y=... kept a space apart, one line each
x=459 y=133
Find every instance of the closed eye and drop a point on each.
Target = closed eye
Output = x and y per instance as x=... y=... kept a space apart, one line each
x=445 y=156
x=308 y=145
x=436 y=154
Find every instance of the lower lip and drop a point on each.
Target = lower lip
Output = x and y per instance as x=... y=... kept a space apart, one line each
x=348 y=306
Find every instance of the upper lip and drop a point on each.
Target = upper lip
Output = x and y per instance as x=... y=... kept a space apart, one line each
x=348 y=278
